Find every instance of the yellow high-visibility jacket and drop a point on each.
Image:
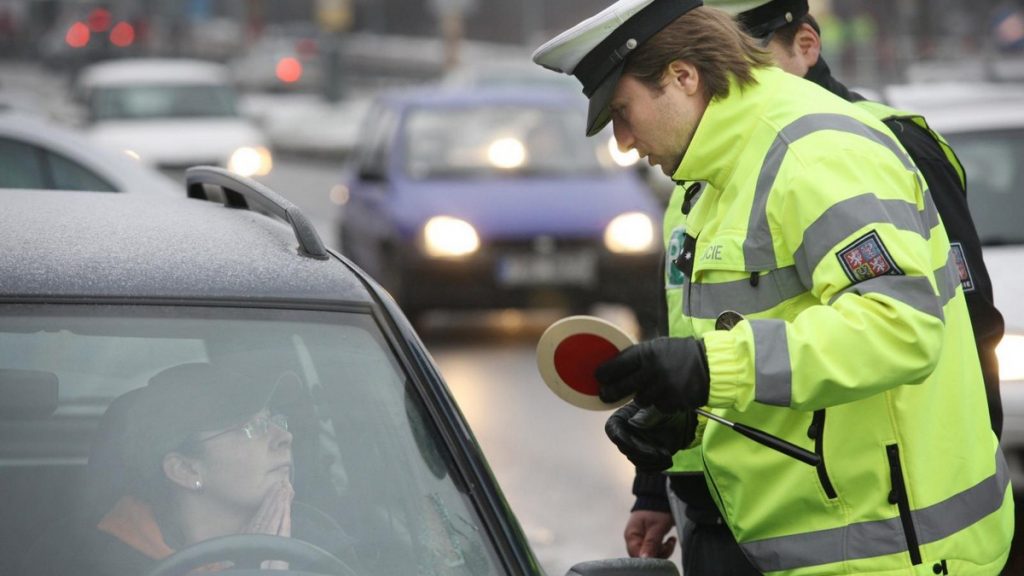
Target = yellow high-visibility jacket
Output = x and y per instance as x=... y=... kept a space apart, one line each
x=816 y=227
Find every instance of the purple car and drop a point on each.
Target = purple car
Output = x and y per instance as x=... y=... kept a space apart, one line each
x=495 y=199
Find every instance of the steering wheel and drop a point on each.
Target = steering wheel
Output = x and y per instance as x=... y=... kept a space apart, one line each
x=248 y=551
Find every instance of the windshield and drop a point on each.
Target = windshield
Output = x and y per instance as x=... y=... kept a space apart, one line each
x=325 y=411
x=994 y=162
x=500 y=141
x=162 y=101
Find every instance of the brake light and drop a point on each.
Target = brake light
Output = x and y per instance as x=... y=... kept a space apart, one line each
x=99 y=20
x=78 y=35
x=122 y=35
x=289 y=70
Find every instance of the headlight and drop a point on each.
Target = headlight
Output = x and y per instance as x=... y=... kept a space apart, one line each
x=1010 y=352
x=506 y=153
x=251 y=161
x=629 y=233
x=624 y=159
x=445 y=236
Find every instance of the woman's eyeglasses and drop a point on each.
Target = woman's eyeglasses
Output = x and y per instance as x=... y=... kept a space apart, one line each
x=257 y=426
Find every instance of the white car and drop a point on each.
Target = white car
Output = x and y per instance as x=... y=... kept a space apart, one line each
x=985 y=125
x=36 y=153
x=171 y=113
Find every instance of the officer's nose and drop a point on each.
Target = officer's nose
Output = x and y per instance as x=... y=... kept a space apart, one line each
x=623 y=137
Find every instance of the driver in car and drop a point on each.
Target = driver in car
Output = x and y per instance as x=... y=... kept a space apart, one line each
x=204 y=457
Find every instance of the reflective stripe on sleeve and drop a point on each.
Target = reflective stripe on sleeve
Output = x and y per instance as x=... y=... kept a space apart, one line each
x=773 y=374
x=844 y=219
x=882 y=537
x=757 y=248
x=914 y=291
x=947 y=278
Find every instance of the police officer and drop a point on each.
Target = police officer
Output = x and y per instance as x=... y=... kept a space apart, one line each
x=820 y=301
x=792 y=34
x=787 y=29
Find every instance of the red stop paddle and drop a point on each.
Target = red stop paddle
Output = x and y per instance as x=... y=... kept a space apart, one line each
x=569 y=352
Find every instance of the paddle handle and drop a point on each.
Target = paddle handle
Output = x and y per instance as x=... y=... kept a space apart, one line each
x=762 y=437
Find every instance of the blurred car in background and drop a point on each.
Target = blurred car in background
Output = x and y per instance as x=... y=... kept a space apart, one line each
x=495 y=199
x=520 y=73
x=36 y=153
x=171 y=113
x=984 y=123
x=286 y=57
x=85 y=32
x=517 y=72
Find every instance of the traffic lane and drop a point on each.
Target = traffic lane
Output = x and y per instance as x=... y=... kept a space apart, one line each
x=568 y=485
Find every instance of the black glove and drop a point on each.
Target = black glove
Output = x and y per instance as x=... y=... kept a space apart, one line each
x=648 y=437
x=670 y=373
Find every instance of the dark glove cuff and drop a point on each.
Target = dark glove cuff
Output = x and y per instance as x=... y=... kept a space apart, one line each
x=704 y=384
x=650 y=485
x=651 y=504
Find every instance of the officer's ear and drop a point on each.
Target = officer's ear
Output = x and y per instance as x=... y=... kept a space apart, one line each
x=807 y=45
x=683 y=75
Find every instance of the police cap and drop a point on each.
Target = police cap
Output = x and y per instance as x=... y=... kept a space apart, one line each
x=759 y=18
x=595 y=50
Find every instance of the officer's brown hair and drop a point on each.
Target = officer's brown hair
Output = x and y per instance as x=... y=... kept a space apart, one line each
x=711 y=41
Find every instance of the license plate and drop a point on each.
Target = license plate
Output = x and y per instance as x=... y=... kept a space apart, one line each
x=567 y=268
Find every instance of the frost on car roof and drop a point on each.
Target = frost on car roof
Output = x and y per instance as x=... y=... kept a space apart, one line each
x=66 y=244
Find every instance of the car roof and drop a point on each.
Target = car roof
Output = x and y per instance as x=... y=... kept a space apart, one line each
x=958 y=107
x=457 y=96
x=61 y=244
x=124 y=173
x=135 y=71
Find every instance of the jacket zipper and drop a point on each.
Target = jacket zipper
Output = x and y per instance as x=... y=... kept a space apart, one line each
x=817 y=433
x=898 y=496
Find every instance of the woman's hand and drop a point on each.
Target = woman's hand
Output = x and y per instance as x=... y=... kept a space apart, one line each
x=275 y=518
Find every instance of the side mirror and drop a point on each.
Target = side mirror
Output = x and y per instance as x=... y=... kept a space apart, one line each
x=372 y=173
x=625 y=567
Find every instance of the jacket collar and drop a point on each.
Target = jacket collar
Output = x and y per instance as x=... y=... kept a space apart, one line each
x=722 y=134
x=821 y=75
x=132 y=522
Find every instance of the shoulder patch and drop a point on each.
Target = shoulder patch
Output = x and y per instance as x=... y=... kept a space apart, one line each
x=867 y=258
x=966 y=279
x=674 y=276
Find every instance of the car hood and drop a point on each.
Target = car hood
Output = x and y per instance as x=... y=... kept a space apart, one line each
x=178 y=141
x=1007 y=275
x=514 y=208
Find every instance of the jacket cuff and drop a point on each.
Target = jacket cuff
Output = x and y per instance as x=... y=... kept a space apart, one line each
x=727 y=364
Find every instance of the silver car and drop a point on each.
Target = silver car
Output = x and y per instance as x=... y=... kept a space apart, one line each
x=36 y=153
